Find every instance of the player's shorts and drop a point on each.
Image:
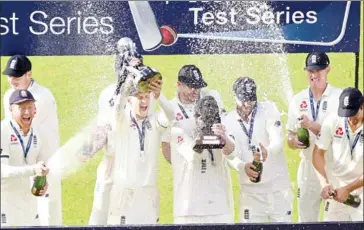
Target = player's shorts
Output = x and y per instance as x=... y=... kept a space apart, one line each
x=215 y=219
x=266 y=207
x=134 y=206
x=19 y=210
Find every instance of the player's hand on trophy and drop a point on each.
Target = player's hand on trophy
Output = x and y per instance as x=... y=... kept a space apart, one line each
x=219 y=130
x=135 y=62
x=156 y=87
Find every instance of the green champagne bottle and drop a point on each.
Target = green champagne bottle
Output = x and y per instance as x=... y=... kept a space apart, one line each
x=352 y=200
x=257 y=163
x=38 y=185
x=303 y=135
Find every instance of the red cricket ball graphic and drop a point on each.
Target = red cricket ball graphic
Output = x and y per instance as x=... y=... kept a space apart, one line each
x=169 y=35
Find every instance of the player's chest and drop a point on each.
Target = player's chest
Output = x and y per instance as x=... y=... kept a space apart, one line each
x=23 y=149
x=318 y=109
x=344 y=143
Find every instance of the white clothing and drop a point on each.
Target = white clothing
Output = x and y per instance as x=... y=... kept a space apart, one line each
x=309 y=188
x=217 y=219
x=345 y=166
x=267 y=130
x=266 y=207
x=135 y=169
x=18 y=204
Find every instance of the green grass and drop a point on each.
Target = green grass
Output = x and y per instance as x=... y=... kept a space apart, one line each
x=76 y=82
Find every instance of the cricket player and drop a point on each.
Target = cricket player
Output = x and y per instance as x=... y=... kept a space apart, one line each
x=258 y=125
x=103 y=184
x=308 y=109
x=134 y=193
x=201 y=181
x=24 y=150
x=343 y=132
x=19 y=72
x=190 y=87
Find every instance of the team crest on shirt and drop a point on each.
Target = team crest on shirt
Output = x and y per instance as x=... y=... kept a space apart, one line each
x=324 y=106
x=147 y=123
x=179 y=117
x=35 y=141
x=303 y=105
x=339 y=132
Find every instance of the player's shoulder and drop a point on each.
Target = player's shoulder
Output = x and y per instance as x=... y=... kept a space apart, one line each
x=300 y=95
x=229 y=117
x=336 y=92
x=4 y=124
x=107 y=92
x=332 y=119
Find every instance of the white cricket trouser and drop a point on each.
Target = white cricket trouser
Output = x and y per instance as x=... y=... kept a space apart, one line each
x=216 y=219
x=266 y=207
x=102 y=191
x=50 y=205
x=134 y=206
x=19 y=210
x=335 y=211
x=309 y=193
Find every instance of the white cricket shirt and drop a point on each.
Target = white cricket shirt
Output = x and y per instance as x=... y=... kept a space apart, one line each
x=345 y=166
x=46 y=112
x=133 y=167
x=201 y=182
x=300 y=105
x=267 y=130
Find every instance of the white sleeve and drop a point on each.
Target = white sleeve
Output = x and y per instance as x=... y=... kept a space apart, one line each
x=8 y=171
x=273 y=127
x=292 y=116
x=6 y=104
x=324 y=139
x=236 y=163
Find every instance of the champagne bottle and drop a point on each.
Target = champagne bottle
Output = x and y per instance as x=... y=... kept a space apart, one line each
x=303 y=135
x=257 y=163
x=352 y=200
x=38 y=185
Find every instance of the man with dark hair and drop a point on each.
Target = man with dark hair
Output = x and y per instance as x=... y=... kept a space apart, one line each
x=343 y=133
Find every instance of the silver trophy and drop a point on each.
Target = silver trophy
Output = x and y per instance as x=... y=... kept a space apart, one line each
x=207 y=114
x=129 y=61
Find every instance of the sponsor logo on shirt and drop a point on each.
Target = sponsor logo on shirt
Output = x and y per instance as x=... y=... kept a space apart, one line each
x=35 y=141
x=3 y=218
x=277 y=123
x=339 y=132
x=179 y=117
x=179 y=139
x=303 y=106
x=13 y=138
x=122 y=220
x=132 y=125
x=246 y=214
x=362 y=138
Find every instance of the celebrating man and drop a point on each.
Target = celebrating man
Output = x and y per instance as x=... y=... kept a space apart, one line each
x=343 y=133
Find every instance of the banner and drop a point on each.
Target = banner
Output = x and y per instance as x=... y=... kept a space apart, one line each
x=175 y=27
